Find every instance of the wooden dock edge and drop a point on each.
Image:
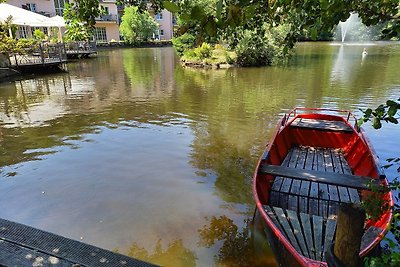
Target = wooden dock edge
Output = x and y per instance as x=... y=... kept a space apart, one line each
x=22 y=245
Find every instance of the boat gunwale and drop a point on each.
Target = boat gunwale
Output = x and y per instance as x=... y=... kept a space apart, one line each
x=284 y=122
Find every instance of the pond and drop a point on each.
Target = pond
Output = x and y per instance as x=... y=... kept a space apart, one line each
x=133 y=153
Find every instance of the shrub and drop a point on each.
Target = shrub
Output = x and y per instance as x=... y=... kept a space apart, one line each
x=183 y=43
x=264 y=46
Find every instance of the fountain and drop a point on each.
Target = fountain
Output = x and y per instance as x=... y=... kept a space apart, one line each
x=349 y=23
x=354 y=32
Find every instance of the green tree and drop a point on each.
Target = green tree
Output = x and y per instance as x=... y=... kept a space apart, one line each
x=314 y=16
x=387 y=113
x=80 y=18
x=137 y=26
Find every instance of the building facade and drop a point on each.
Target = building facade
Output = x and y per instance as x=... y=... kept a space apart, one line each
x=166 y=22
x=107 y=25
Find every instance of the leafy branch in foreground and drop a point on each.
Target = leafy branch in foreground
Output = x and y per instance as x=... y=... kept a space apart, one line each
x=373 y=204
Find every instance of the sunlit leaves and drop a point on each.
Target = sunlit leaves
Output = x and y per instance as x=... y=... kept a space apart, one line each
x=136 y=26
x=387 y=113
x=171 y=7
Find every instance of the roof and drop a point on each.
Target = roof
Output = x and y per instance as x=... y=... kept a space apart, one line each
x=25 y=17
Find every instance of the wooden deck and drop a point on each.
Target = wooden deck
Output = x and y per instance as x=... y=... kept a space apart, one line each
x=22 y=245
x=305 y=210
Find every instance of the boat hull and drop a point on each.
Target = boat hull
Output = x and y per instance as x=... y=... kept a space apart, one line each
x=318 y=134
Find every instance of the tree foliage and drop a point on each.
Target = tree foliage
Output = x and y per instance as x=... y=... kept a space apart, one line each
x=80 y=18
x=9 y=44
x=388 y=113
x=312 y=15
x=137 y=26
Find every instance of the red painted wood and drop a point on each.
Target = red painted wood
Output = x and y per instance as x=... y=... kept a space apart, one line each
x=358 y=153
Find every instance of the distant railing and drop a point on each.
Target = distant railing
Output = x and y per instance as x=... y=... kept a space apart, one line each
x=43 y=53
x=80 y=46
x=108 y=17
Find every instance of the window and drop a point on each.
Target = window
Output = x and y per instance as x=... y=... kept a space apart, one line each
x=159 y=16
x=100 y=34
x=22 y=32
x=59 y=6
x=161 y=32
x=31 y=7
x=43 y=29
x=106 y=10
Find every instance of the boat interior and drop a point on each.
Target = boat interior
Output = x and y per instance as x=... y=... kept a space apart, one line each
x=314 y=165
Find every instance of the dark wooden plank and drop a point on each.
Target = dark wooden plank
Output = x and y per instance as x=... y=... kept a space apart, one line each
x=337 y=165
x=272 y=215
x=313 y=199
x=293 y=202
x=323 y=208
x=317 y=223
x=329 y=234
x=295 y=152
x=61 y=247
x=333 y=200
x=328 y=160
x=333 y=193
x=276 y=186
x=343 y=194
x=354 y=196
x=348 y=180
x=274 y=198
x=320 y=160
x=288 y=158
x=280 y=214
x=305 y=222
x=286 y=184
x=345 y=165
x=326 y=125
x=307 y=205
x=323 y=191
x=309 y=160
x=297 y=187
x=298 y=232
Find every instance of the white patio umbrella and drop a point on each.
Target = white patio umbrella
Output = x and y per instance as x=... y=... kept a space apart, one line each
x=60 y=22
x=24 y=17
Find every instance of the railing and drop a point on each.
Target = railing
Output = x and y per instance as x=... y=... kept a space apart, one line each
x=108 y=17
x=80 y=46
x=344 y=113
x=43 y=53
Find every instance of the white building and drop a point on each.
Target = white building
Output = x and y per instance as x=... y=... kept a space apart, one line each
x=107 y=26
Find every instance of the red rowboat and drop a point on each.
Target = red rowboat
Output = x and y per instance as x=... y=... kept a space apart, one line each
x=315 y=161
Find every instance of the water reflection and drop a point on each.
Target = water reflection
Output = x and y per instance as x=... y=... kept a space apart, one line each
x=238 y=246
x=131 y=148
x=174 y=255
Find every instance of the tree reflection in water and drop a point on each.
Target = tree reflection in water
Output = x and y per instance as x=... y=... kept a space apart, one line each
x=174 y=255
x=237 y=248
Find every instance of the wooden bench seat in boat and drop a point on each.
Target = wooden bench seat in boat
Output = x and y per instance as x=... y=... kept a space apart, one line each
x=349 y=180
x=326 y=125
x=305 y=198
x=311 y=235
x=314 y=197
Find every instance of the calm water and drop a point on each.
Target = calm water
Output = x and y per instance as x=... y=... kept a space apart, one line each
x=131 y=152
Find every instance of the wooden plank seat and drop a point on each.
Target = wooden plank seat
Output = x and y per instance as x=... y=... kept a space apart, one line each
x=347 y=180
x=326 y=125
x=311 y=195
x=311 y=235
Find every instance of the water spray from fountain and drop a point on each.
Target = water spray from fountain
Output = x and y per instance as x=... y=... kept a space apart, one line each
x=353 y=30
x=349 y=23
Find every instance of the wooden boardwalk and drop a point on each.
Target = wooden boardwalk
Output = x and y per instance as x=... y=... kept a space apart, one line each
x=22 y=245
